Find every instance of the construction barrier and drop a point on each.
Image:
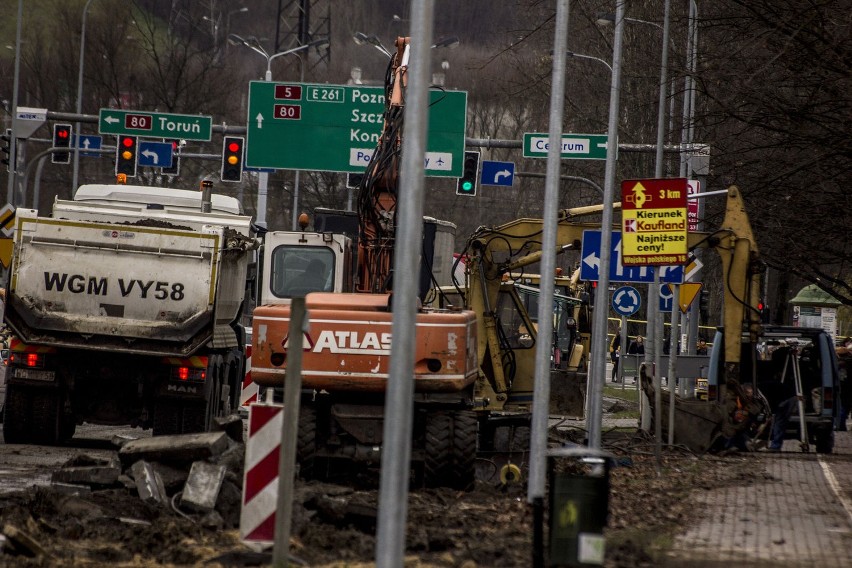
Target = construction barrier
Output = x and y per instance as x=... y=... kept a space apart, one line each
x=249 y=390
x=260 y=480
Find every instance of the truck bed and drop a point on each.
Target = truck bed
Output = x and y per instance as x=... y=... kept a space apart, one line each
x=133 y=287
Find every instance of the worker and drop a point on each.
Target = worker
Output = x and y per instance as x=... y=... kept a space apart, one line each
x=844 y=363
x=636 y=348
x=788 y=399
x=615 y=353
x=701 y=346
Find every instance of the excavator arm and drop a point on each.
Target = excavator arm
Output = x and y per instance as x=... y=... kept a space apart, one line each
x=378 y=191
x=495 y=252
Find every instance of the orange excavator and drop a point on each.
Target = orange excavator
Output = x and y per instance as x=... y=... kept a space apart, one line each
x=346 y=347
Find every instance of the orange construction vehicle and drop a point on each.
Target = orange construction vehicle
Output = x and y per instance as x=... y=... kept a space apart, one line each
x=345 y=365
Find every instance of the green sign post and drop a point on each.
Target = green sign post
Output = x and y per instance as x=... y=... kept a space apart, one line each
x=155 y=124
x=574 y=146
x=297 y=126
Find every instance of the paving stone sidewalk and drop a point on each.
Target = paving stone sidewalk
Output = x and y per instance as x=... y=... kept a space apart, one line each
x=800 y=517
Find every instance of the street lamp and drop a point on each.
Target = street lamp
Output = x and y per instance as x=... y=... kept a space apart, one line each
x=263 y=177
x=572 y=54
x=76 y=168
x=362 y=38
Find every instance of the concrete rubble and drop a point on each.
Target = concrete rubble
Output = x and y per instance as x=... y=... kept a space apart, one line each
x=198 y=475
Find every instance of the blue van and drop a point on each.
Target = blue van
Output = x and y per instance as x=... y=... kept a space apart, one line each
x=768 y=364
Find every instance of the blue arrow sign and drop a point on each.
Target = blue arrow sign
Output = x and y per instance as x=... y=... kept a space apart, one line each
x=89 y=142
x=626 y=301
x=155 y=154
x=591 y=260
x=497 y=173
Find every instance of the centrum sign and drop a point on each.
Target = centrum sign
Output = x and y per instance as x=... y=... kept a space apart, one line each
x=654 y=222
x=574 y=146
x=155 y=124
x=336 y=128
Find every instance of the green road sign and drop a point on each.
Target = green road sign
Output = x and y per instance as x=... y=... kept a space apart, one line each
x=574 y=146
x=155 y=124
x=296 y=126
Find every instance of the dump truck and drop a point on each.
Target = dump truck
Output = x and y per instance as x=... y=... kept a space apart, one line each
x=125 y=306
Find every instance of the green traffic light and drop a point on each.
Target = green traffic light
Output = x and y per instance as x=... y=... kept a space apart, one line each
x=467 y=185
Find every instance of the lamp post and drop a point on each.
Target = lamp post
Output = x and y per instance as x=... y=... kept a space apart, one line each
x=76 y=169
x=13 y=142
x=228 y=21
x=263 y=177
x=654 y=328
x=593 y=58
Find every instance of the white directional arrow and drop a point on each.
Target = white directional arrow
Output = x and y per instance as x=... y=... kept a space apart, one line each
x=86 y=143
x=593 y=261
x=110 y=119
x=153 y=156
x=501 y=174
x=259 y=120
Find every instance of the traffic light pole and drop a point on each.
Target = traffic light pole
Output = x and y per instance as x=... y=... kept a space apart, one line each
x=262 y=181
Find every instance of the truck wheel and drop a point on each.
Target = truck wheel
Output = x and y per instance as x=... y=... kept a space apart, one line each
x=306 y=445
x=450 y=450
x=175 y=416
x=32 y=416
x=216 y=376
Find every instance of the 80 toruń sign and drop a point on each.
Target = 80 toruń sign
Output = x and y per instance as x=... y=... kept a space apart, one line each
x=654 y=222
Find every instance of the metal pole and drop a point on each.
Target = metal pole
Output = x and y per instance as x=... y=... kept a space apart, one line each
x=263 y=177
x=541 y=388
x=295 y=223
x=686 y=137
x=289 y=435
x=399 y=400
x=655 y=331
x=13 y=143
x=671 y=378
x=76 y=171
x=597 y=374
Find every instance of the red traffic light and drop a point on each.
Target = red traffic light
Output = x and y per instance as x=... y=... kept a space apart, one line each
x=62 y=132
x=127 y=142
x=233 y=147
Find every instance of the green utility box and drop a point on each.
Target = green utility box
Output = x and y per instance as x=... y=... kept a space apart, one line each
x=578 y=505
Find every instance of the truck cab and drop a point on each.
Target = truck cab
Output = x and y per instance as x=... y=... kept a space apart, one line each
x=769 y=364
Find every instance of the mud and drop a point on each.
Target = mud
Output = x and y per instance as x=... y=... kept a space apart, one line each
x=334 y=524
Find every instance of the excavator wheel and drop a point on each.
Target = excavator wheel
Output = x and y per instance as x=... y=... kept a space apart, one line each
x=306 y=444
x=450 y=450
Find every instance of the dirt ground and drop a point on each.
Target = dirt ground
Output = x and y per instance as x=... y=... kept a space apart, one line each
x=334 y=525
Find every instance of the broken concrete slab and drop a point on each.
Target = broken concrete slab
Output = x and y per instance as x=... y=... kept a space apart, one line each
x=231 y=425
x=84 y=469
x=71 y=488
x=202 y=487
x=149 y=484
x=181 y=449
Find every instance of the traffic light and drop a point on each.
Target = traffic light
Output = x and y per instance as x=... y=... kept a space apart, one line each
x=175 y=169
x=61 y=139
x=126 y=155
x=232 y=158
x=764 y=311
x=6 y=147
x=470 y=171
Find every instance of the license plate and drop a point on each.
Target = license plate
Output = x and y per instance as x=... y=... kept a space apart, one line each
x=33 y=374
